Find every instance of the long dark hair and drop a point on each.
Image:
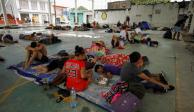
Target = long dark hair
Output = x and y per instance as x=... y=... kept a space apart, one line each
x=79 y=50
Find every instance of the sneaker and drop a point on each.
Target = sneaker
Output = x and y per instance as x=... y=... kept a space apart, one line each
x=171 y=88
x=163 y=73
x=160 y=91
x=163 y=80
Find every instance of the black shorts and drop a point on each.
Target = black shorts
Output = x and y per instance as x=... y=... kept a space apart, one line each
x=53 y=65
x=56 y=64
x=44 y=59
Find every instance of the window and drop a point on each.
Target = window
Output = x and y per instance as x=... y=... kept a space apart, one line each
x=42 y=6
x=23 y=4
x=34 y=5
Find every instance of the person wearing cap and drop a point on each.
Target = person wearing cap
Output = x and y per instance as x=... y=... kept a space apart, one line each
x=35 y=51
x=132 y=72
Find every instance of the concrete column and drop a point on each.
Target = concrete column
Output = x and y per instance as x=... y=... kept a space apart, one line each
x=38 y=5
x=75 y=11
x=40 y=19
x=4 y=12
x=30 y=15
x=50 y=15
x=55 y=11
x=191 y=30
x=93 y=18
x=29 y=5
x=17 y=4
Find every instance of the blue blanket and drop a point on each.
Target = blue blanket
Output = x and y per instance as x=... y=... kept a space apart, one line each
x=31 y=74
x=92 y=94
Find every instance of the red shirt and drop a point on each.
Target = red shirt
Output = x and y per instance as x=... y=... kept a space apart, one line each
x=73 y=70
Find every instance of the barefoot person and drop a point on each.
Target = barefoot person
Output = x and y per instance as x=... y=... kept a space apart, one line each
x=35 y=51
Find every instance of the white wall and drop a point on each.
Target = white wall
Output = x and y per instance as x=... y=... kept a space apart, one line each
x=166 y=18
x=112 y=16
x=140 y=13
x=191 y=8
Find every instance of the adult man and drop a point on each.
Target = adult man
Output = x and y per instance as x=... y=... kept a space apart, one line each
x=178 y=26
x=132 y=72
x=35 y=51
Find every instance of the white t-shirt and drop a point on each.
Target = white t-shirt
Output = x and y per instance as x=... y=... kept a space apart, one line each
x=138 y=30
x=123 y=34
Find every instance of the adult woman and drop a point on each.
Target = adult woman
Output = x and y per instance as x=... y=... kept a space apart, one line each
x=77 y=77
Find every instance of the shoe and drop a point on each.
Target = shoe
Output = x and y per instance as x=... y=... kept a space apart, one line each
x=171 y=88
x=160 y=91
x=162 y=78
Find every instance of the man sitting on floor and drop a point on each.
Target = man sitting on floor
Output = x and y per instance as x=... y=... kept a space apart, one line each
x=35 y=51
x=132 y=72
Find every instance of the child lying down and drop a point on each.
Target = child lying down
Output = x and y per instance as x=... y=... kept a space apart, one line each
x=102 y=73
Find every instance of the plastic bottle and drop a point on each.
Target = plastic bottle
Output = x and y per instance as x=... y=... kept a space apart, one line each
x=73 y=102
x=149 y=44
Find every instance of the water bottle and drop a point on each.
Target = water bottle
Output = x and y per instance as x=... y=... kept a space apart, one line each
x=149 y=44
x=73 y=102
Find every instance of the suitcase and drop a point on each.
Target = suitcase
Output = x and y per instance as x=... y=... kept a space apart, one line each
x=127 y=102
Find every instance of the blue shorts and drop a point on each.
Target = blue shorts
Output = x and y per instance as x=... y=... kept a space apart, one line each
x=177 y=29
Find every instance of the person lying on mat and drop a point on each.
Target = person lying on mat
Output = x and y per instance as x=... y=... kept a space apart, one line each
x=49 y=39
x=74 y=70
x=32 y=37
x=106 y=70
x=132 y=72
x=35 y=52
x=55 y=64
x=6 y=37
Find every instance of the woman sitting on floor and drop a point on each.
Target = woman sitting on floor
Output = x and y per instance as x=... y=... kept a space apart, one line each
x=75 y=71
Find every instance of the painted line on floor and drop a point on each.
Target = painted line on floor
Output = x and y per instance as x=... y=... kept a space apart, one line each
x=9 y=91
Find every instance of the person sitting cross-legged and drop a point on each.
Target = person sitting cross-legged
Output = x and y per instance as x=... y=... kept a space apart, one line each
x=132 y=72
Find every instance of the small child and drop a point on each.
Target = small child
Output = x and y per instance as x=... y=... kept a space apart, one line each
x=105 y=71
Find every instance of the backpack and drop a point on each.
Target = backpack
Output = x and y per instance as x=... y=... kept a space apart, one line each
x=127 y=102
x=137 y=89
x=168 y=34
